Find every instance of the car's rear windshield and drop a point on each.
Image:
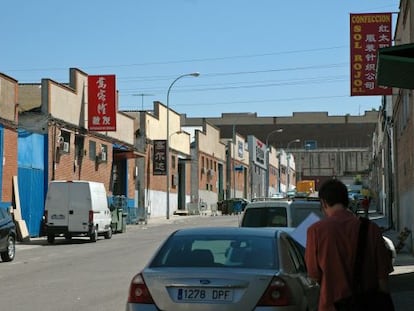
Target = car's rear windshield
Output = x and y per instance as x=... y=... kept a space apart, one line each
x=217 y=251
x=299 y=214
x=265 y=217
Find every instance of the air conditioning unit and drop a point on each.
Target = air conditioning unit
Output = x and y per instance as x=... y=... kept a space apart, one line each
x=210 y=173
x=65 y=146
x=103 y=156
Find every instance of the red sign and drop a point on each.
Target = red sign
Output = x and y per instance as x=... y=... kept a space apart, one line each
x=101 y=103
x=369 y=32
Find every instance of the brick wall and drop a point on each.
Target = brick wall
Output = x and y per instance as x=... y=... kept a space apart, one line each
x=152 y=182
x=10 y=163
x=69 y=166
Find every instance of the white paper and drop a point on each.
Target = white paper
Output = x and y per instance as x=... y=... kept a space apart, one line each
x=299 y=234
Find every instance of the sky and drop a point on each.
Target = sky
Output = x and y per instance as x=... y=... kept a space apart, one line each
x=269 y=57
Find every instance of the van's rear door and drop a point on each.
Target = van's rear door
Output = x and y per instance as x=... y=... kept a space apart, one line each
x=56 y=205
x=79 y=206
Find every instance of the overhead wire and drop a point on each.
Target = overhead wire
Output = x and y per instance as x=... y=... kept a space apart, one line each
x=221 y=86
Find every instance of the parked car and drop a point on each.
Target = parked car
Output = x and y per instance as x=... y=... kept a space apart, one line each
x=279 y=195
x=279 y=212
x=232 y=206
x=7 y=236
x=225 y=268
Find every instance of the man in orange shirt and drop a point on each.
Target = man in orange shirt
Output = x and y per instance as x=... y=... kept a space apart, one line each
x=331 y=249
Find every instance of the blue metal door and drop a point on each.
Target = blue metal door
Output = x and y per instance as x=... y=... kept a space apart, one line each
x=32 y=157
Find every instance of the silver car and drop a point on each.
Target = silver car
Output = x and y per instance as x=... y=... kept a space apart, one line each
x=225 y=268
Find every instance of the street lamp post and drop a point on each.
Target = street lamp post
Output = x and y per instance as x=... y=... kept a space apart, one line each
x=267 y=158
x=167 y=152
x=233 y=158
x=288 y=160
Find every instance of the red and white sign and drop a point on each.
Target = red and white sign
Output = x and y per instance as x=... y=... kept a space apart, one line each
x=369 y=32
x=101 y=103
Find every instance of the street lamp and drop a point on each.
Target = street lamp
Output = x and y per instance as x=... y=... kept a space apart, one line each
x=288 y=160
x=267 y=158
x=167 y=153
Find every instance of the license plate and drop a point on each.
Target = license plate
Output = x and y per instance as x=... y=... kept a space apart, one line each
x=204 y=294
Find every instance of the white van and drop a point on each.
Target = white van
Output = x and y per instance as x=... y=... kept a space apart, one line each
x=77 y=208
x=279 y=212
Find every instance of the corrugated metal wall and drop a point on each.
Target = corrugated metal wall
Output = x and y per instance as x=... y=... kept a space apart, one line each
x=32 y=157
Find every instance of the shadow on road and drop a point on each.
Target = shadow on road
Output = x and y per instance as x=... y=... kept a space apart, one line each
x=402 y=282
x=58 y=241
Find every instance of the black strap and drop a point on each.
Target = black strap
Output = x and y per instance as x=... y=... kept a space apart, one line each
x=362 y=239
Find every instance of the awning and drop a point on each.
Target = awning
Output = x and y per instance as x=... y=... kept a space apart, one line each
x=121 y=151
x=395 y=66
x=118 y=155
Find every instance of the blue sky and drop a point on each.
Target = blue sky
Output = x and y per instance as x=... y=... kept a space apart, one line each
x=269 y=57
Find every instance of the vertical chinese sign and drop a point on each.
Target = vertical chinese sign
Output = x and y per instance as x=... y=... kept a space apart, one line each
x=159 y=159
x=369 y=32
x=101 y=103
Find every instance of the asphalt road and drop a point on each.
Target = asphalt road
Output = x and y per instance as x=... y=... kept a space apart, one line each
x=84 y=276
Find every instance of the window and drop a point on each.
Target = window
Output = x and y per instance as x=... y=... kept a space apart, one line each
x=2 y=214
x=297 y=253
x=265 y=217
x=173 y=160
x=217 y=251
x=92 y=150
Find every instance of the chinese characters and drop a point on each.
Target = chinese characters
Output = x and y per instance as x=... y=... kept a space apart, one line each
x=369 y=32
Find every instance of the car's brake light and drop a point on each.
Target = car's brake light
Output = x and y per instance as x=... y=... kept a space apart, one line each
x=138 y=291
x=45 y=215
x=276 y=294
x=90 y=217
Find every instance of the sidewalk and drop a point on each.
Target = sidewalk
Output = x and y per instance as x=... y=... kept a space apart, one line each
x=404 y=262
x=402 y=278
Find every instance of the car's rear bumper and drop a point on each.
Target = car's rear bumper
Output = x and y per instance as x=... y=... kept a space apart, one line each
x=140 y=307
x=147 y=307
x=56 y=230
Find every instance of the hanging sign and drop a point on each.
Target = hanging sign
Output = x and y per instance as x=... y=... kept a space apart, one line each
x=101 y=103
x=369 y=33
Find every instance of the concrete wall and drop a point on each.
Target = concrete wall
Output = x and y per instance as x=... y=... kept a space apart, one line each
x=8 y=98
x=211 y=155
x=152 y=126
x=403 y=127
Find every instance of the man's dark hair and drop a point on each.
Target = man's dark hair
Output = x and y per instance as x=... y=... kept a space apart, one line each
x=334 y=191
